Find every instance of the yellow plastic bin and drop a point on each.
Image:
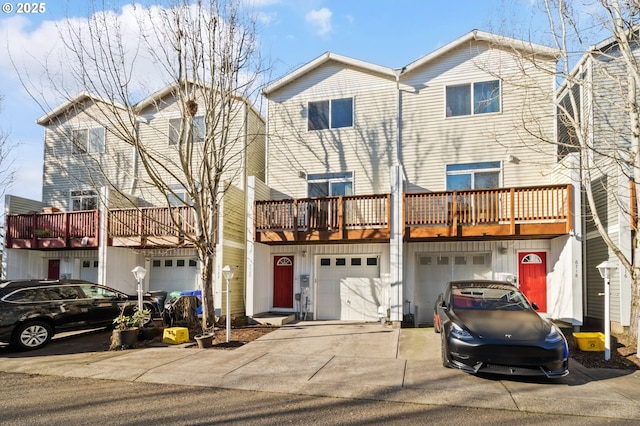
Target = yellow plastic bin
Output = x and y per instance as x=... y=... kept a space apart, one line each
x=589 y=341
x=175 y=335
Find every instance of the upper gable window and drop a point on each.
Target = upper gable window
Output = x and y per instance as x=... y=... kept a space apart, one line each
x=470 y=99
x=198 y=130
x=89 y=141
x=331 y=114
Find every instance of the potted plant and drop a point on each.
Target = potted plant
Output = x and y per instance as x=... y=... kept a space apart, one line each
x=205 y=339
x=125 y=333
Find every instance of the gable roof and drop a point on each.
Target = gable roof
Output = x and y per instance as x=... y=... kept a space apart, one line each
x=171 y=88
x=476 y=35
x=473 y=35
x=323 y=59
x=71 y=103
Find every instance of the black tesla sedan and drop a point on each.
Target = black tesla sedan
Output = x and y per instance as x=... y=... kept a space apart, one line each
x=490 y=327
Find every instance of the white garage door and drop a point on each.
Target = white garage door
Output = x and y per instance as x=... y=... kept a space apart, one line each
x=173 y=274
x=435 y=270
x=338 y=289
x=89 y=270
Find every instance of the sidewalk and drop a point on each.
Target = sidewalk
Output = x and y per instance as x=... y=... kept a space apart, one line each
x=351 y=360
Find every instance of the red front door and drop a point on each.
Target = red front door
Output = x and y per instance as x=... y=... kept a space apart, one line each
x=53 y=269
x=532 y=277
x=283 y=282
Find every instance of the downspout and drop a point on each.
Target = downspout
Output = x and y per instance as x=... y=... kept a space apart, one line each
x=396 y=260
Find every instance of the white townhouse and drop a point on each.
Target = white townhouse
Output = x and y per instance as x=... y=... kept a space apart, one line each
x=383 y=184
x=599 y=87
x=100 y=217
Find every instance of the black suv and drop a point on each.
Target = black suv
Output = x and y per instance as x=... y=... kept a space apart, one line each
x=32 y=311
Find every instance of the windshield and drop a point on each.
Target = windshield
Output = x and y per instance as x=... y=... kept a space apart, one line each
x=488 y=298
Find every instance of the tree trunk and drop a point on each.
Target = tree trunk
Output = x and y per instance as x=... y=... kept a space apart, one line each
x=207 y=279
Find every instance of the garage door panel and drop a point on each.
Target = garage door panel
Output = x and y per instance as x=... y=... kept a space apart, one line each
x=174 y=274
x=360 y=298
x=434 y=271
x=336 y=303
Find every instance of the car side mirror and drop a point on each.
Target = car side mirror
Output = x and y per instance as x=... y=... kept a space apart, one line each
x=534 y=306
x=444 y=305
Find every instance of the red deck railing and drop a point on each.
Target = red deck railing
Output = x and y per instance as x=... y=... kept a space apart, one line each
x=53 y=230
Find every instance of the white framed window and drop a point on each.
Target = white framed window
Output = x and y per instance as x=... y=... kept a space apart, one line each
x=482 y=97
x=88 y=141
x=473 y=175
x=332 y=114
x=84 y=200
x=176 y=129
x=178 y=196
x=329 y=184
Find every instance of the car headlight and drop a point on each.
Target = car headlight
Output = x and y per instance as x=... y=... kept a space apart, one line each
x=460 y=333
x=554 y=335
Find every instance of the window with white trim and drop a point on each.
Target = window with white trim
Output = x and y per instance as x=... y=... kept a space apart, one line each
x=473 y=175
x=473 y=98
x=332 y=114
x=178 y=196
x=329 y=184
x=84 y=200
x=176 y=130
x=88 y=141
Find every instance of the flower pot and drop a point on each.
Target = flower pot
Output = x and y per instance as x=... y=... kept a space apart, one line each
x=124 y=338
x=204 y=340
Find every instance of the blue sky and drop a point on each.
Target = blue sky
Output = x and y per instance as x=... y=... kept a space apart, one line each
x=292 y=32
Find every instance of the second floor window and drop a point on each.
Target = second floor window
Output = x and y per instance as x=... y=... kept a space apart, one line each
x=88 y=141
x=470 y=99
x=178 y=196
x=198 y=130
x=84 y=200
x=331 y=114
x=329 y=184
x=473 y=176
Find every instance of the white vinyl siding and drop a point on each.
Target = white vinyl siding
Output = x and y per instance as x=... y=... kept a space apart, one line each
x=366 y=148
x=430 y=140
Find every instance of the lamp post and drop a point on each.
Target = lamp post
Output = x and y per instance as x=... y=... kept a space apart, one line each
x=139 y=273
x=605 y=272
x=227 y=272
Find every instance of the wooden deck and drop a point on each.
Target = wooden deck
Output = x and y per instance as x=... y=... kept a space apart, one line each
x=503 y=213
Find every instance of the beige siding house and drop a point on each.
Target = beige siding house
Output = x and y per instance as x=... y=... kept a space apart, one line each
x=100 y=214
x=599 y=89
x=386 y=183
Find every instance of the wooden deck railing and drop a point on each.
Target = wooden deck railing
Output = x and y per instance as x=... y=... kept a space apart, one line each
x=540 y=210
x=150 y=226
x=533 y=212
x=348 y=217
x=53 y=230
x=528 y=212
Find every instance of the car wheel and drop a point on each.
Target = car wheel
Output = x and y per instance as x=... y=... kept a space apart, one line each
x=32 y=335
x=444 y=352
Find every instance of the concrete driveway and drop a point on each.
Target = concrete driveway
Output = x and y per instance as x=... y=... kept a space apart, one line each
x=349 y=360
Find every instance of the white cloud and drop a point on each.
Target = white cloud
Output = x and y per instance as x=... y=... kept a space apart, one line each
x=320 y=20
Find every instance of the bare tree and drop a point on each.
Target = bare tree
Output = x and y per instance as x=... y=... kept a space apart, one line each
x=7 y=174
x=205 y=56
x=598 y=117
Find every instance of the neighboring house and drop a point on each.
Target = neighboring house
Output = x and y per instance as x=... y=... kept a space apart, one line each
x=99 y=216
x=383 y=184
x=598 y=85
